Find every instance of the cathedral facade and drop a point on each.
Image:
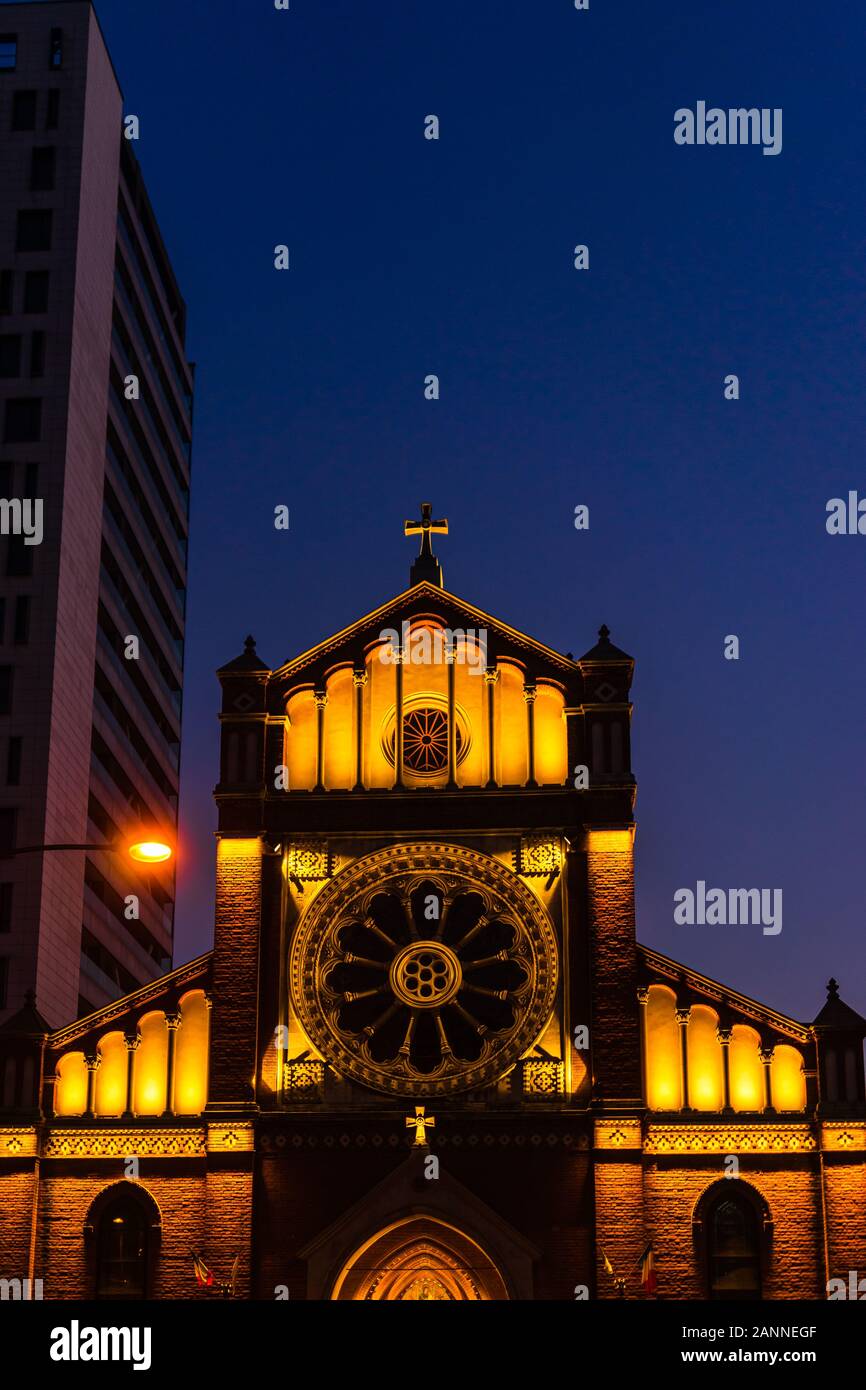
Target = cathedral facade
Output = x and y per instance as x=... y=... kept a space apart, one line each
x=427 y=1057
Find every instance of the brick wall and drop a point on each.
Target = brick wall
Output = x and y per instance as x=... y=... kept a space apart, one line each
x=619 y=1221
x=235 y=970
x=615 y=1037
x=16 y=1199
x=794 y=1267
x=845 y=1194
x=65 y=1259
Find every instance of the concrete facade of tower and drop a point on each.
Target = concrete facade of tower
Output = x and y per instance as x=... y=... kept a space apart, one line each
x=96 y=424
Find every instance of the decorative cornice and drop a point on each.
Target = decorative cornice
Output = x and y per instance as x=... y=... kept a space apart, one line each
x=19 y=1143
x=618 y=1134
x=842 y=1137
x=284 y=1141
x=406 y=601
x=671 y=971
x=737 y=1139
x=143 y=1142
x=231 y=1138
x=130 y=1002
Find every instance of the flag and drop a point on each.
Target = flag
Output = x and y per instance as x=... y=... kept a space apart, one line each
x=608 y=1267
x=648 y=1270
x=204 y=1276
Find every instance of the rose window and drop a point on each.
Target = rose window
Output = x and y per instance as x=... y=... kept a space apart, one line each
x=424 y=969
x=425 y=737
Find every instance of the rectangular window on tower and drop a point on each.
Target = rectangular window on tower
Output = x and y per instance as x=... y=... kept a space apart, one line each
x=4 y=980
x=55 y=52
x=6 y=284
x=37 y=354
x=21 y=627
x=13 y=762
x=19 y=558
x=10 y=354
x=36 y=291
x=8 y=827
x=34 y=229
x=5 y=907
x=43 y=162
x=8 y=52
x=24 y=111
x=23 y=424
x=5 y=689
x=52 y=113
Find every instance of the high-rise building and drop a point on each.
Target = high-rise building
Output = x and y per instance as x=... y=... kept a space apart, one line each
x=95 y=424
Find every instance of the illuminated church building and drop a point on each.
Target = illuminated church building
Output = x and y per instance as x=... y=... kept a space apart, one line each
x=426 y=1057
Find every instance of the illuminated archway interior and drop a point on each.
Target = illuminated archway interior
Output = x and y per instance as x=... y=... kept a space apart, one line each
x=420 y=1259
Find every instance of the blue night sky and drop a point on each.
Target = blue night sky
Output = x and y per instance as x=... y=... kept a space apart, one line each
x=559 y=388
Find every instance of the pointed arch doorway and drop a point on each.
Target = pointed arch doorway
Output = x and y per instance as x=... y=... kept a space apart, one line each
x=419 y=1258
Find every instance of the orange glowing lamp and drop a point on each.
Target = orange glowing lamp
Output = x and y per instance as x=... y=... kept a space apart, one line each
x=150 y=851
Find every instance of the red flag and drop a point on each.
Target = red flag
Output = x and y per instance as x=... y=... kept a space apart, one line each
x=648 y=1270
x=204 y=1275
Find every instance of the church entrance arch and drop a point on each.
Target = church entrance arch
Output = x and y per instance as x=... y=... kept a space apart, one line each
x=419 y=1258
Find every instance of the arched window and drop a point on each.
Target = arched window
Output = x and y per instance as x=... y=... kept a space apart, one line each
x=122 y=1232
x=733 y=1247
x=121 y=1251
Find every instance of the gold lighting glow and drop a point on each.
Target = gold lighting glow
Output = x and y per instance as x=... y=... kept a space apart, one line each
x=551 y=752
x=664 y=1065
x=70 y=1094
x=151 y=1066
x=706 y=1064
x=150 y=851
x=747 y=1072
x=511 y=726
x=191 y=1062
x=111 y=1076
x=787 y=1079
x=610 y=841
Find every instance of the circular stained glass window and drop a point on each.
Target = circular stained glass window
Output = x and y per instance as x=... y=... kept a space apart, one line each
x=425 y=740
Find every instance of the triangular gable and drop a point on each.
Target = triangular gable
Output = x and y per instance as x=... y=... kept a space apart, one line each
x=196 y=971
x=428 y=600
x=659 y=969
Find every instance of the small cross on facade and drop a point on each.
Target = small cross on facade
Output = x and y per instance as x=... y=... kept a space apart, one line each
x=420 y=1123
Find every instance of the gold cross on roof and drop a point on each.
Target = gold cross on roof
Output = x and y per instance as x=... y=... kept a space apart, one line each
x=426 y=566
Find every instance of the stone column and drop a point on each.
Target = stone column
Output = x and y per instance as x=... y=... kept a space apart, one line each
x=450 y=658
x=399 y=655
x=491 y=677
x=529 y=694
x=359 y=680
x=683 y=1016
x=725 y=1036
x=767 y=1062
x=133 y=1043
x=92 y=1061
x=172 y=1023
x=321 y=698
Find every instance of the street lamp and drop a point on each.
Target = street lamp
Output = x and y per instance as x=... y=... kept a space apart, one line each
x=143 y=851
x=150 y=852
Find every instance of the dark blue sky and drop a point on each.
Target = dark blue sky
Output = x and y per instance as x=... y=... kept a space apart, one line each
x=558 y=388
